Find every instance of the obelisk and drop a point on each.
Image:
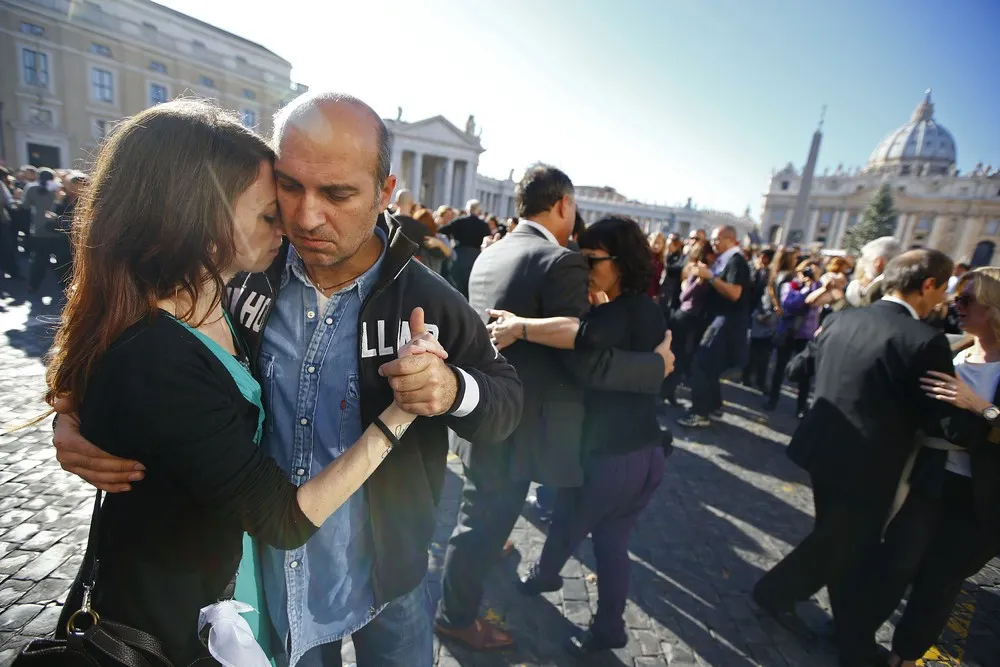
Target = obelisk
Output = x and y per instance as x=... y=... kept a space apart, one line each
x=802 y=199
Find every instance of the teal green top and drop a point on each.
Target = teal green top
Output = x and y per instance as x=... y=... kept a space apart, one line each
x=249 y=585
x=240 y=372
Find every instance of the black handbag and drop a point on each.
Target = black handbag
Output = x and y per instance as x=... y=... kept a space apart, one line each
x=90 y=640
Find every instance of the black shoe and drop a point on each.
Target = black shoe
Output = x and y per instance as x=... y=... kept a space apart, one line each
x=532 y=584
x=785 y=616
x=588 y=644
x=544 y=513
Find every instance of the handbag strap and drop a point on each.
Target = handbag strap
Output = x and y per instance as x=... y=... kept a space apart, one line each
x=90 y=580
x=137 y=639
x=116 y=649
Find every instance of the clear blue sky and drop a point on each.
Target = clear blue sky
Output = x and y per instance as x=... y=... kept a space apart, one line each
x=661 y=99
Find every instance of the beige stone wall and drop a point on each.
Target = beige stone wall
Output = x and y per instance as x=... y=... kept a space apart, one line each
x=70 y=97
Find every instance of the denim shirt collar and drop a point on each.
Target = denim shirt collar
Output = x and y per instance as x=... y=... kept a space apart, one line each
x=294 y=266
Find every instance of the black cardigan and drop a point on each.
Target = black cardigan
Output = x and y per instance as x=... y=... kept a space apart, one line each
x=172 y=545
x=618 y=422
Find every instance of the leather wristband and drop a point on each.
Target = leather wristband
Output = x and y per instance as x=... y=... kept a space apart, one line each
x=387 y=432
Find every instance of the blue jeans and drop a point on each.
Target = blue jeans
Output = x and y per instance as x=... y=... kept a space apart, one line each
x=400 y=636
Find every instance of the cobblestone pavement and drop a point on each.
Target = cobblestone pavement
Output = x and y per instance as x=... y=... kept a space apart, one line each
x=729 y=506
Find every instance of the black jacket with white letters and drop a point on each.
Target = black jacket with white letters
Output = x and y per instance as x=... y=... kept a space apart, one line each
x=403 y=492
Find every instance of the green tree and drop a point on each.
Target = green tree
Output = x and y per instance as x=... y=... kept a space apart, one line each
x=878 y=220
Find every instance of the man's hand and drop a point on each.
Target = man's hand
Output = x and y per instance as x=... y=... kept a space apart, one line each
x=704 y=272
x=663 y=349
x=421 y=381
x=78 y=456
x=490 y=240
x=505 y=330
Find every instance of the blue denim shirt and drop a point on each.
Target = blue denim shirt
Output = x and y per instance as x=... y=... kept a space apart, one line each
x=309 y=362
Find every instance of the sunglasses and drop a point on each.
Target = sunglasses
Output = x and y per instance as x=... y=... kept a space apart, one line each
x=594 y=261
x=964 y=300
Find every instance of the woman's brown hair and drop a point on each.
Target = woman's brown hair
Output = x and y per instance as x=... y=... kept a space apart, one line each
x=427 y=218
x=836 y=265
x=700 y=253
x=156 y=221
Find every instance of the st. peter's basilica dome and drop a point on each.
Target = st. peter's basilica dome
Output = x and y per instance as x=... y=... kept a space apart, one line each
x=920 y=146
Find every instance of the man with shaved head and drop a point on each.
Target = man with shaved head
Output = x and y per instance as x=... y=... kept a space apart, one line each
x=336 y=304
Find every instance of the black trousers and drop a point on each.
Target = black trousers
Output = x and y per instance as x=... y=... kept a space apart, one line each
x=710 y=362
x=8 y=250
x=41 y=250
x=784 y=353
x=487 y=514
x=846 y=532
x=616 y=488
x=933 y=544
x=755 y=372
x=686 y=330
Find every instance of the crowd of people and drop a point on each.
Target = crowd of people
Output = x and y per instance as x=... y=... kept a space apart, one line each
x=35 y=219
x=538 y=349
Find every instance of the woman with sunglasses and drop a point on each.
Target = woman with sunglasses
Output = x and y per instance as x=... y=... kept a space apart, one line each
x=622 y=441
x=948 y=527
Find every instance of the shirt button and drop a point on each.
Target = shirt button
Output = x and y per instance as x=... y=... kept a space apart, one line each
x=311 y=314
x=300 y=471
x=294 y=564
x=311 y=369
x=303 y=421
x=329 y=320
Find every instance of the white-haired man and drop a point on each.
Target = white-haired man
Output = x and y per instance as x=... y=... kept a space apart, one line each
x=468 y=233
x=866 y=288
x=335 y=304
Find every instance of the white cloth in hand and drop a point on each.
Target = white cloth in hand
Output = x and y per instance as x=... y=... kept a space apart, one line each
x=230 y=639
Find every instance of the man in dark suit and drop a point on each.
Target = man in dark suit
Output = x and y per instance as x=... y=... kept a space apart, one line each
x=857 y=438
x=468 y=233
x=530 y=273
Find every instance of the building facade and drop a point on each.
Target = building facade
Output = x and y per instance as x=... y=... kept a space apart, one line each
x=937 y=206
x=435 y=160
x=74 y=68
x=596 y=202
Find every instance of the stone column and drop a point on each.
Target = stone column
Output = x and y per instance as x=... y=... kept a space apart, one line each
x=470 y=180
x=449 y=175
x=938 y=224
x=971 y=230
x=902 y=223
x=809 y=234
x=418 y=174
x=458 y=191
x=397 y=164
x=834 y=238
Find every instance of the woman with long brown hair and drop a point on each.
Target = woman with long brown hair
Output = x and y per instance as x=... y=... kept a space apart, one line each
x=182 y=198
